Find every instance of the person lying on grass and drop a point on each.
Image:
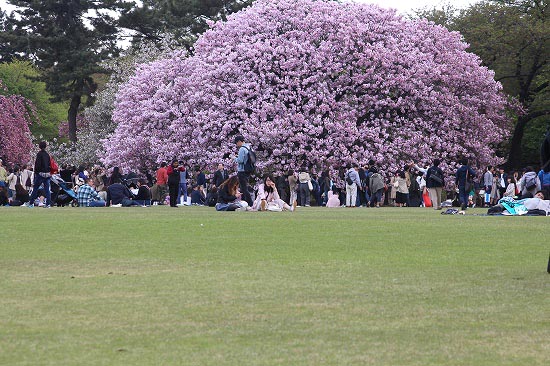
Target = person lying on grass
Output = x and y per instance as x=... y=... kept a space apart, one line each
x=537 y=205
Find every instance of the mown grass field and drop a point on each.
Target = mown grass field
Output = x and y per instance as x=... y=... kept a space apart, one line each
x=191 y=286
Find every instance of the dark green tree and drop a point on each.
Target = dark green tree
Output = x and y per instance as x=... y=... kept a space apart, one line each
x=185 y=19
x=512 y=38
x=67 y=40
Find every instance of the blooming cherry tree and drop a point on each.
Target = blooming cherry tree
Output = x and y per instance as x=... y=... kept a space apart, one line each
x=15 y=136
x=317 y=83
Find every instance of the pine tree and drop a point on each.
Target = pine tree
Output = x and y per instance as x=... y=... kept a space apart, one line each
x=185 y=19
x=67 y=40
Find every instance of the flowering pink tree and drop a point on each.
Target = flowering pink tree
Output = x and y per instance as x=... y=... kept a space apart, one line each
x=320 y=83
x=15 y=136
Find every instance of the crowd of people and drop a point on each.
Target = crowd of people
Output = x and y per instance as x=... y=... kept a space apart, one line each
x=45 y=184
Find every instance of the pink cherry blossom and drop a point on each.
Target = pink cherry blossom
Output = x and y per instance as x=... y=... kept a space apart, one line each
x=320 y=83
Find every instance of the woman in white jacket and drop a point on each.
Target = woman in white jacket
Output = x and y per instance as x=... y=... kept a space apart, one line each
x=268 y=198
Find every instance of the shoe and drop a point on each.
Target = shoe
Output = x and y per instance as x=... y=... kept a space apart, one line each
x=29 y=205
x=47 y=206
x=307 y=206
x=119 y=205
x=263 y=205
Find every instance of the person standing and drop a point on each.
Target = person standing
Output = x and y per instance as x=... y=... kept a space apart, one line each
x=3 y=174
x=242 y=174
x=184 y=179
x=293 y=187
x=41 y=175
x=201 y=177
x=488 y=185
x=305 y=180
x=324 y=186
x=463 y=180
x=434 y=182
x=352 y=182
x=13 y=180
x=173 y=182
x=282 y=187
x=376 y=187
x=502 y=181
x=27 y=177
x=162 y=181
x=220 y=176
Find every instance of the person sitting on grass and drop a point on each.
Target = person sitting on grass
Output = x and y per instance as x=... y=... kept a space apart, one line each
x=21 y=196
x=119 y=195
x=143 y=195
x=197 y=195
x=268 y=198
x=212 y=196
x=87 y=195
x=229 y=197
x=333 y=200
x=3 y=196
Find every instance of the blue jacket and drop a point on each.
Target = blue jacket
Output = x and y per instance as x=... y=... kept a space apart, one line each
x=460 y=180
x=354 y=176
x=242 y=157
x=544 y=178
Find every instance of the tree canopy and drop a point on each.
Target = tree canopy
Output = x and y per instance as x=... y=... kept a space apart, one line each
x=512 y=38
x=67 y=40
x=312 y=82
x=16 y=115
x=185 y=19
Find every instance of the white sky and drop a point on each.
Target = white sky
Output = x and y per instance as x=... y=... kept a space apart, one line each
x=403 y=6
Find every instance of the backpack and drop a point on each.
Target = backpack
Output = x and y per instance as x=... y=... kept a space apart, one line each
x=54 y=168
x=531 y=183
x=436 y=176
x=250 y=161
x=349 y=181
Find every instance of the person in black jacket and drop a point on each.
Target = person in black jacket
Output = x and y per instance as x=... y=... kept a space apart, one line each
x=229 y=197
x=173 y=182
x=220 y=176
x=143 y=196
x=435 y=181
x=41 y=175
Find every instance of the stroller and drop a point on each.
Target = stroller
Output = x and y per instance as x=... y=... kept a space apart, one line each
x=65 y=195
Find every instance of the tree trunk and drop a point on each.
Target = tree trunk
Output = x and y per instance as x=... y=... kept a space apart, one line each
x=73 y=111
x=514 y=158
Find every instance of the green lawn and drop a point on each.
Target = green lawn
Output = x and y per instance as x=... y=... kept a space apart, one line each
x=191 y=286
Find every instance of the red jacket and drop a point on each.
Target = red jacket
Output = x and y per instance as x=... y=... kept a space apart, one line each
x=162 y=176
